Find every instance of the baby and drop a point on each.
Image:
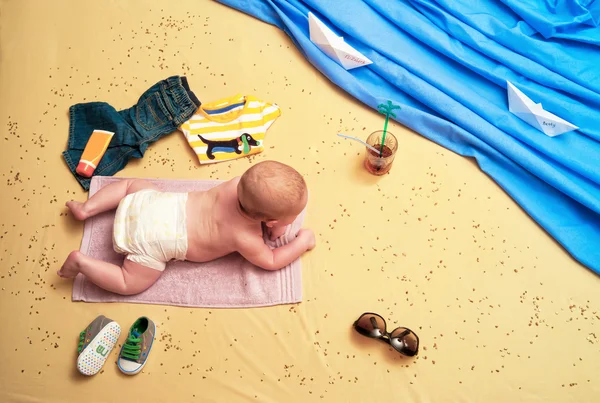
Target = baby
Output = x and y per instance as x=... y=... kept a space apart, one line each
x=152 y=227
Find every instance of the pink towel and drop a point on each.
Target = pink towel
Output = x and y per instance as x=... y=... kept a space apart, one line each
x=229 y=282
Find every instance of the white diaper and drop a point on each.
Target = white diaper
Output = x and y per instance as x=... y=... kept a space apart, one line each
x=150 y=228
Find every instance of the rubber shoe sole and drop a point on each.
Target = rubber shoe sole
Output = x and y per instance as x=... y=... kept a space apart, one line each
x=91 y=360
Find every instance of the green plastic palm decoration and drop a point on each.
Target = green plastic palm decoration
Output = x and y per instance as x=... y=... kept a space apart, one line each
x=386 y=109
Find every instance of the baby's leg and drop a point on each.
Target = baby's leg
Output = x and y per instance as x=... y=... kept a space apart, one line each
x=107 y=198
x=130 y=279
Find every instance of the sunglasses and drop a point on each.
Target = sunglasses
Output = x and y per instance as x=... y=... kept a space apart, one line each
x=402 y=339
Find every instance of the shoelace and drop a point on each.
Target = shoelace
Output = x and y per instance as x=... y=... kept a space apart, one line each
x=132 y=347
x=81 y=341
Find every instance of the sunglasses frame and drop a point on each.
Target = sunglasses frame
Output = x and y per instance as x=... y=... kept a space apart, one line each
x=386 y=336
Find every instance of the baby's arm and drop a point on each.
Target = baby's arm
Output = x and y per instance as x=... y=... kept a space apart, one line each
x=258 y=253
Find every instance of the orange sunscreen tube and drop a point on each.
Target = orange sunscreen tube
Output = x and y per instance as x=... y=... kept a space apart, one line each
x=93 y=152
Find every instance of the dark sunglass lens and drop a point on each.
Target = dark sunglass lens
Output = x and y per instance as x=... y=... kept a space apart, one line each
x=371 y=325
x=404 y=341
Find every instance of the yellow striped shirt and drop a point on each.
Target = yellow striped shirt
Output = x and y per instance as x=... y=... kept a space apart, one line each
x=229 y=128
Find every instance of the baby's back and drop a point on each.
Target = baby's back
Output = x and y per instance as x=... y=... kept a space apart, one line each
x=214 y=223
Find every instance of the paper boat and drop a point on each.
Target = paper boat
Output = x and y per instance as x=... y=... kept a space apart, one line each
x=534 y=114
x=334 y=46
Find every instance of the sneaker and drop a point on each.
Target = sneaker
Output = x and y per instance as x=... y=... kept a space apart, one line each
x=136 y=348
x=95 y=344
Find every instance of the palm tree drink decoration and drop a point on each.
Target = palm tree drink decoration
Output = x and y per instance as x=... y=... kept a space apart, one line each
x=387 y=110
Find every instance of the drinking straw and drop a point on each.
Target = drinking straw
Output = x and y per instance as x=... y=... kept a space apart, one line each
x=360 y=141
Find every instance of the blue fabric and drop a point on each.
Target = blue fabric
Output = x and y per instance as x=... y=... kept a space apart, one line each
x=576 y=20
x=446 y=63
x=160 y=110
x=224 y=149
x=223 y=110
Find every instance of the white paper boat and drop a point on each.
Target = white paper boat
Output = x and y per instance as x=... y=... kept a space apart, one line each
x=334 y=46
x=534 y=114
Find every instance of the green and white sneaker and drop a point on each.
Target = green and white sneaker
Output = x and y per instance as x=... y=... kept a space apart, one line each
x=135 y=350
x=95 y=344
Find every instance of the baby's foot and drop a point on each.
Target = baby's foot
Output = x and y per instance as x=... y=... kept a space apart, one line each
x=78 y=210
x=71 y=266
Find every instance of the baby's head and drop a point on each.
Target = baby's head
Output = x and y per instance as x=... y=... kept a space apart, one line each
x=272 y=192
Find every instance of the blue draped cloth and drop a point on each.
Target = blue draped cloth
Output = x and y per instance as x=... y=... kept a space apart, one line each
x=577 y=20
x=446 y=64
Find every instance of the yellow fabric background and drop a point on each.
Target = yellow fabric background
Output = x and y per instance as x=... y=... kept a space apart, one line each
x=503 y=313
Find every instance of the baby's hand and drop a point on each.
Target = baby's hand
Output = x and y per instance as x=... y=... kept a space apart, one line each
x=308 y=237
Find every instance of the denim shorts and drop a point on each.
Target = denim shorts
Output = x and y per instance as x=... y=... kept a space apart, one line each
x=159 y=111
